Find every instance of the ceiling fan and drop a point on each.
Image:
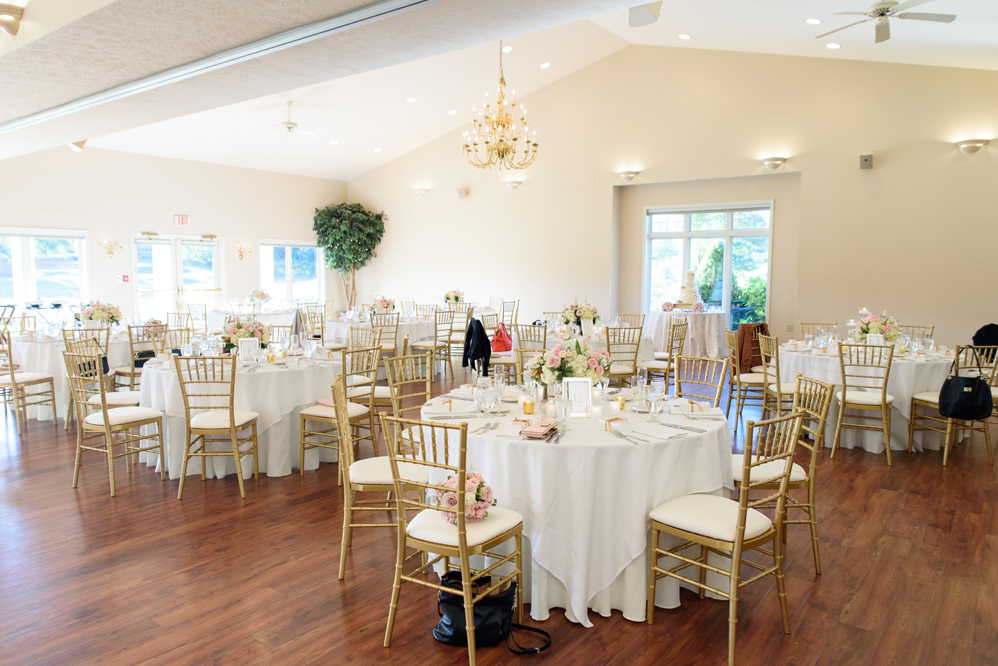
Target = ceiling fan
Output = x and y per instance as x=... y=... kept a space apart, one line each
x=290 y=127
x=883 y=11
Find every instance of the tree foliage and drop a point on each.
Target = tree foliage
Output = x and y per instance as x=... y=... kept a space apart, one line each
x=348 y=235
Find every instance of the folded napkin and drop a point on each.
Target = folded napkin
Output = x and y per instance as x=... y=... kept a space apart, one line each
x=696 y=408
x=539 y=429
x=439 y=406
x=466 y=389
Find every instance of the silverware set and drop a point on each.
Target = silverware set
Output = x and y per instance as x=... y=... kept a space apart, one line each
x=489 y=425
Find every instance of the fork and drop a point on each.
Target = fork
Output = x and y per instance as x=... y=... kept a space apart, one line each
x=628 y=437
x=487 y=426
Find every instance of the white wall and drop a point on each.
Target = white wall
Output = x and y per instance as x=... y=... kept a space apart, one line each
x=916 y=234
x=112 y=195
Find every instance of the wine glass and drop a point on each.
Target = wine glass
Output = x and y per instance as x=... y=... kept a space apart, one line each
x=656 y=397
x=927 y=344
x=642 y=376
x=563 y=411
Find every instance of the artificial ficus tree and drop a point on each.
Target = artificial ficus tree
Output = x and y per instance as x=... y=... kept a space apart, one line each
x=348 y=235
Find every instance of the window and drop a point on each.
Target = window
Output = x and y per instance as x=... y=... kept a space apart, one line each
x=727 y=247
x=292 y=273
x=42 y=266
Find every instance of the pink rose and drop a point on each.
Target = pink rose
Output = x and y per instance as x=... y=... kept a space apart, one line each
x=486 y=493
x=554 y=361
x=598 y=369
x=448 y=500
x=585 y=340
x=593 y=363
x=698 y=307
x=667 y=306
x=258 y=333
x=578 y=313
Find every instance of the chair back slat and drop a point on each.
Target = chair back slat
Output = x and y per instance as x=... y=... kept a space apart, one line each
x=632 y=320
x=811 y=328
x=766 y=442
x=410 y=379
x=364 y=337
x=865 y=368
x=207 y=383
x=693 y=371
x=917 y=331
x=86 y=379
x=510 y=313
x=813 y=398
x=534 y=336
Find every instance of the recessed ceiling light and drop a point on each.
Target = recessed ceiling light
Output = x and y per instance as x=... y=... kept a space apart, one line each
x=334 y=142
x=377 y=150
x=833 y=45
x=684 y=36
x=545 y=65
x=410 y=100
x=507 y=49
x=814 y=21
x=452 y=112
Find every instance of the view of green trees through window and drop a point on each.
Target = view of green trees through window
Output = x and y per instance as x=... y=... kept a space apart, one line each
x=291 y=272
x=40 y=268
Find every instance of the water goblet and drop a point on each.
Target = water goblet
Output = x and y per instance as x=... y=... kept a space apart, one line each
x=564 y=410
x=642 y=376
x=928 y=344
x=656 y=403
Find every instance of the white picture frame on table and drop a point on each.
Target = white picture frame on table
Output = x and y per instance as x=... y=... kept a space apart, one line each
x=875 y=339
x=588 y=328
x=247 y=349
x=578 y=391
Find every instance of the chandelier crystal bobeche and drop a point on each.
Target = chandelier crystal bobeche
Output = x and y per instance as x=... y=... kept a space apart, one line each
x=500 y=132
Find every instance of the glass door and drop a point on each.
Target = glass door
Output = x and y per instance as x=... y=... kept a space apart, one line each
x=173 y=272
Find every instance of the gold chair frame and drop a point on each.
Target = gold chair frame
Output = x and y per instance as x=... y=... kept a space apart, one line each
x=676 y=341
x=532 y=335
x=877 y=359
x=742 y=387
x=180 y=320
x=140 y=339
x=917 y=331
x=700 y=371
x=622 y=345
x=811 y=327
x=632 y=320
x=16 y=394
x=775 y=399
x=439 y=344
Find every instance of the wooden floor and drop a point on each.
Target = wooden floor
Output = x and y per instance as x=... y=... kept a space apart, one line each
x=910 y=558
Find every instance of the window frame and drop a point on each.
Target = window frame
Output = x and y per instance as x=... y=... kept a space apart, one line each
x=22 y=269
x=288 y=272
x=727 y=234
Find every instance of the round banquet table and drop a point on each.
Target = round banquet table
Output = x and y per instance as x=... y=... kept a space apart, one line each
x=704 y=337
x=216 y=318
x=277 y=393
x=907 y=377
x=585 y=504
x=645 y=347
x=417 y=329
x=41 y=353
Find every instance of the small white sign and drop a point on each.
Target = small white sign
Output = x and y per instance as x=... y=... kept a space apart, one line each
x=578 y=390
x=247 y=349
x=182 y=220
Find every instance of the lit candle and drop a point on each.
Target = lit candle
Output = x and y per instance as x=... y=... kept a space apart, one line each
x=596 y=411
x=528 y=406
x=614 y=406
x=551 y=408
x=596 y=394
x=621 y=401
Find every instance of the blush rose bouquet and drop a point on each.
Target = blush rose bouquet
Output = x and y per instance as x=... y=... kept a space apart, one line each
x=478 y=497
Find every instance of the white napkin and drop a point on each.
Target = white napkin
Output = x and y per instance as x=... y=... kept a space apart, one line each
x=704 y=409
x=438 y=407
x=465 y=390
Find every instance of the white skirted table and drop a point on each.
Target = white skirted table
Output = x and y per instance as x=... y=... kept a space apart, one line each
x=40 y=353
x=216 y=318
x=704 y=337
x=907 y=377
x=417 y=329
x=585 y=504
x=277 y=393
x=645 y=347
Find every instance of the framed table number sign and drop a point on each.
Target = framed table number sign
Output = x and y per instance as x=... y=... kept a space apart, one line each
x=579 y=391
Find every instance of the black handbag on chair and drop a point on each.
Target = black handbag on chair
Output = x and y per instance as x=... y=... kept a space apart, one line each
x=966 y=398
x=493 y=616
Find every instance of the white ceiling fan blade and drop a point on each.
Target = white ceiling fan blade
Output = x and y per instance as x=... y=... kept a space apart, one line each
x=883 y=30
x=918 y=16
x=842 y=28
x=851 y=14
x=908 y=5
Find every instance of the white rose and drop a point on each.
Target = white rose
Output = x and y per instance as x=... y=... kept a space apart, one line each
x=469 y=498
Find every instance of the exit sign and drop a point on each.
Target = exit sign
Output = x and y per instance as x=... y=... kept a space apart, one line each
x=182 y=220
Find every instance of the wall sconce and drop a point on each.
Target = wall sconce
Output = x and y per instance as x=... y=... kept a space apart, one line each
x=462 y=193
x=110 y=247
x=77 y=146
x=628 y=175
x=243 y=250
x=972 y=145
x=513 y=184
x=773 y=162
x=10 y=18
x=420 y=191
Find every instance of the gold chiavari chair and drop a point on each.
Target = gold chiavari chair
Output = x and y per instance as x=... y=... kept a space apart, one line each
x=812 y=398
x=439 y=343
x=425 y=310
x=510 y=314
x=16 y=387
x=865 y=371
x=280 y=331
x=632 y=320
x=729 y=528
x=208 y=387
x=693 y=371
x=388 y=324
x=622 y=345
x=94 y=341
x=673 y=321
x=171 y=340
x=674 y=348
x=180 y=320
x=498 y=360
x=742 y=386
x=89 y=346
x=6 y=316
x=533 y=336
x=778 y=393
x=428 y=446
x=199 y=315
x=463 y=314
x=981 y=361
x=29 y=323
x=556 y=315
x=141 y=346
x=916 y=332
x=523 y=356
x=363 y=337
x=99 y=421
x=495 y=302
x=370 y=475
x=315 y=324
x=407 y=304
x=330 y=310
x=811 y=328
x=490 y=322
x=359 y=368
x=410 y=380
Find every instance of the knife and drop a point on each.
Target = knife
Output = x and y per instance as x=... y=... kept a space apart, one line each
x=455 y=397
x=682 y=427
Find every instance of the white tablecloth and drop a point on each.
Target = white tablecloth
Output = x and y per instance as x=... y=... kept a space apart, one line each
x=906 y=379
x=277 y=394
x=645 y=347
x=418 y=329
x=704 y=336
x=585 y=505
x=216 y=318
x=46 y=356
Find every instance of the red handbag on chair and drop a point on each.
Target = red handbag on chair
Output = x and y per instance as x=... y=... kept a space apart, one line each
x=501 y=342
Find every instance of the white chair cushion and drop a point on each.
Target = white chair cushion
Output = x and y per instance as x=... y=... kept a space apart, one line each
x=765 y=471
x=754 y=378
x=786 y=388
x=334 y=346
x=117 y=398
x=219 y=418
x=656 y=366
x=387 y=346
x=327 y=412
x=431 y=525
x=927 y=396
x=457 y=338
x=380 y=392
x=757 y=368
x=864 y=397
x=621 y=369
x=994 y=391
x=428 y=344
x=358 y=380
x=127 y=370
x=25 y=377
x=500 y=358
x=123 y=415
x=709 y=515
x=662 y=356
x=378 y=471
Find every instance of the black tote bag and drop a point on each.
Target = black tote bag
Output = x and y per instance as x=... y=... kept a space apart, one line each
x=966 y=398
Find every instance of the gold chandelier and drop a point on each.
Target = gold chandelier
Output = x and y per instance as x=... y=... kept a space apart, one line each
x=500 y=132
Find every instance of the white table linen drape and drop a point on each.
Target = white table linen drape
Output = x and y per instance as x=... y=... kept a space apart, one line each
x=704 y=336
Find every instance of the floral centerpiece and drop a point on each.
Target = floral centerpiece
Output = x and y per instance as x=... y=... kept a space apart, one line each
x=259 y=296
x=872 y=324
x=454 y=296
x=477 y=498
x=668 y=306
x=697 y=307
x=97 y=311
x=238 y=329
x=152 y=321
x=384 y=304
x=576 y=312
x=571 y=357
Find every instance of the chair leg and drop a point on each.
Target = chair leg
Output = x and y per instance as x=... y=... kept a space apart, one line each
x=256 y=454
x=301 y=458
x=781 y=585
x=987 y=441
x=838 y=429
x=469 y=611
x=946 y=443
x=110 y=459
x=652 y=579
x=348 y=499
x=79 y=454
x=704 y=554
x=162 y=456
x=239 y=468
x=733 y=603
x=183 y=469
x=396 y=586
x=885 y=415
x=813 y=520
x=519 y=578
x=911 y=425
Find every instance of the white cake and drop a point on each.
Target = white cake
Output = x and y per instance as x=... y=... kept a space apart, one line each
x=688 y=292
